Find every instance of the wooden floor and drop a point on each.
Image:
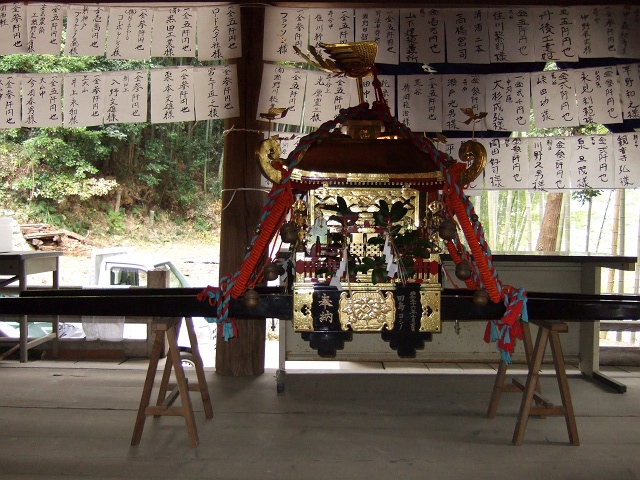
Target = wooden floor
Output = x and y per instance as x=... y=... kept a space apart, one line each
x=75 y=420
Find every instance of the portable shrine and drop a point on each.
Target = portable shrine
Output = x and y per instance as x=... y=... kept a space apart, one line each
x=363 y=220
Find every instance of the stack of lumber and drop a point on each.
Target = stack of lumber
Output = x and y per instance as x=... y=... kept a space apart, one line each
x=41 y=236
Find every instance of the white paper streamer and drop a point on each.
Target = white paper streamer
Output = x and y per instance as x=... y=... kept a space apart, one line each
x=392 y=267
x=335 y=281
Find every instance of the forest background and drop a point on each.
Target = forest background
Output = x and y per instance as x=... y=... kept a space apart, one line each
x=156 y=186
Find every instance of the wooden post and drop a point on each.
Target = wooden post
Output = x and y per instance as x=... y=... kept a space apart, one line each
x=156 y=279
x=244 y=355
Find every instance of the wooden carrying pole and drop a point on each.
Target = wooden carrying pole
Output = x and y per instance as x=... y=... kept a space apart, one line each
x=244 y=355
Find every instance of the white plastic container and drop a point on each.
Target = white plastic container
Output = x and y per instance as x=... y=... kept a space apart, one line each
x=6 y=235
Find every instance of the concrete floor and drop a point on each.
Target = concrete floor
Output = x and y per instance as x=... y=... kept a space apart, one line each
x=61 y=419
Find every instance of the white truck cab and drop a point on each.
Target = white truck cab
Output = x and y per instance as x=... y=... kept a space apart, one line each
x=122 y=267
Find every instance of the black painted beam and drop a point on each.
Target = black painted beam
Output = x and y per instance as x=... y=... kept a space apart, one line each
x=455 y=305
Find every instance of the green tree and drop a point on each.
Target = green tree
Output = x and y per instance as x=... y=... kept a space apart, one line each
x=173 y=166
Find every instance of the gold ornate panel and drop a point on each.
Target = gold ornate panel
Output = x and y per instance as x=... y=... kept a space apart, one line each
x=430 y=301
x=367 y=311
x=302 y=302
x=364 y=201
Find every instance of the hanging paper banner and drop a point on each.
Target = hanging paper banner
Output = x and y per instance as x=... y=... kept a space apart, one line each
x=463 y=92
x=13 y=28
x=628 y=46
x=126 y=96
x=433 y=113
x=508 y=102
x=556 y=31
x=44 y=29
x=285 y=28
x=129 y=33
x=86 y=30
x=216 y=92
x=598 y=95
x=507 y=164
x=630 y=90
x=282 y=87
x=83 y=99
x=172 y=95
x=219 y=34
x=174 y=32
x=467 y=35
x=413 y=103
x=326 y=95
x=511 y=35
x=41 y=95
x=330 y=25
x=626 y=151
x=387 y=85
x=599 y=30
x=592 y=162
x=554 y=99
x=549 y=166
x=380 y=26
x=9 y=101
x=422 y=38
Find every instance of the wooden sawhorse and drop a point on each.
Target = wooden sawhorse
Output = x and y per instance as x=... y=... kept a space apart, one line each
x=166 y=398
x=548 y=332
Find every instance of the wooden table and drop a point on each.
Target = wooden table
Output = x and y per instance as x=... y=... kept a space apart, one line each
x=18 y=266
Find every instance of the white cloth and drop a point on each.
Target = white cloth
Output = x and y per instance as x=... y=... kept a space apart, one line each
x=109 y=329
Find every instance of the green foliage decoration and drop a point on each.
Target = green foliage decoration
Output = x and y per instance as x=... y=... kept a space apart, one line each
x=406 y=243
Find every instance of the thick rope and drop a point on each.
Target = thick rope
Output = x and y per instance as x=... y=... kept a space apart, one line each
x=273 y=218
x=489 y=282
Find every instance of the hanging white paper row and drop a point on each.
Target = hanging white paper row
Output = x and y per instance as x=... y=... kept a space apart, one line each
x=555 y=164
x=433 y=103
x=178 y=94
x=460 y=35
x=130 y=33
x=425 y=35
x=549 y=164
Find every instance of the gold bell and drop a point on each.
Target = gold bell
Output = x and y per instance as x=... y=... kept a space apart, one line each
x=447 y=229
x=289 y=232
x=251 y=299
x=272 y=271
x=463 y=270
x=480 y=298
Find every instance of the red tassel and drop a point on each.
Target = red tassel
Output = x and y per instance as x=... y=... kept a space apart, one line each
x=487 y=333
x=516 y=330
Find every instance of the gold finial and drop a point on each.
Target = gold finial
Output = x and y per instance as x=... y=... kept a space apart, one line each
x=352 y=59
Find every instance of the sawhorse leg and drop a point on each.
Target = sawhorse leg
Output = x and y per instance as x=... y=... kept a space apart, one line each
x=199 y=367
x=160 y=328
x=158 y=343
x=548 y=332
x=499 y=385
